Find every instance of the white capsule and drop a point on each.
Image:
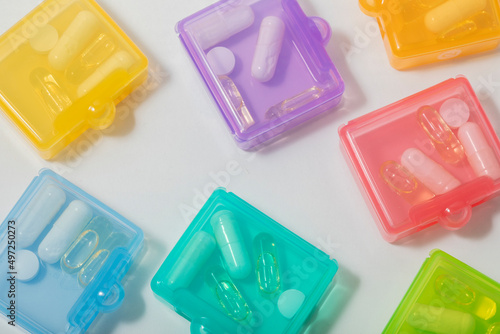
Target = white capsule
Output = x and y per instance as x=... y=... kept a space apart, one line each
x=455 y=112
x=429 y=172
x=221 y=25
x=452 y=12
x=191 y=261
x=232 y=247
x=72 y=42
x=479 y=153
x=39 y=213
x=267 y=51
x=121 y=60
x=64 y=231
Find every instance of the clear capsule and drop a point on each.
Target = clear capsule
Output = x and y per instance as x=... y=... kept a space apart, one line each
x=404 y=183
x=93 y=56
x=453 y=290
x=242 y=115
x=92 y=267
x=442 y=137
x=268 y=272
x=295 y=102
x=228 y=294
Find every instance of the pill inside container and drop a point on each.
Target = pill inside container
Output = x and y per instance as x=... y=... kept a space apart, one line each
x=265 y=63
x=233 y=259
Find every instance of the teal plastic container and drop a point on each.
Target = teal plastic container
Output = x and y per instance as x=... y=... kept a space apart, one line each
x=235 y=270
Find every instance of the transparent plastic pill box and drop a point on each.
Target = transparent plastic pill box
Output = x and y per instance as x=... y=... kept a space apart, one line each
x=265 y=64
x=64 y=68
x=235 y=270
x=63 y=256
x=447 y=297
x=428 y=158
x=417 y=32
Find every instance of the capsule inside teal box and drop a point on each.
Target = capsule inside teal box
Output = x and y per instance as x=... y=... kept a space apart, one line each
x=235 y=270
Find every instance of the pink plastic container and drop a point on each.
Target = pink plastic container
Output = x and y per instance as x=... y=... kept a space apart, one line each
x=426 y=159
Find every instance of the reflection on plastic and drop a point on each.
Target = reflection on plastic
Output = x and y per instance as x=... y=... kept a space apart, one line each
x=442 y=137
x=404 y=183
x=50 y=92
x=242 y=115
x=440 y=320
x=494 y=329
x=452 y=290
x=228 y=295
x=92 y=267
x=268 y=272
x=287 y=106
x=93 y=56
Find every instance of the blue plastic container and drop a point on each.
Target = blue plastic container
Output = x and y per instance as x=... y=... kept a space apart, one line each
x=63 y=255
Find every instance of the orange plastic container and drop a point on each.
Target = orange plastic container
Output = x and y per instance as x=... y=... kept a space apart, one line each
x=417 y=32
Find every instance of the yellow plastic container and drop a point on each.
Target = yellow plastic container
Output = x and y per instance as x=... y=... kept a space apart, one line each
x=64 y=67
x=417 y=32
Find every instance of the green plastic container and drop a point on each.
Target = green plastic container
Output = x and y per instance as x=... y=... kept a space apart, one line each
x=448 y=297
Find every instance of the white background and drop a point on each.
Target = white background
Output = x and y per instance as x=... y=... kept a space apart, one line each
x=169 y=142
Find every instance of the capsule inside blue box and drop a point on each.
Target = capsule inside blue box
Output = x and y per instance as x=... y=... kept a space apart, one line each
x=65 y=254
x=235 y=270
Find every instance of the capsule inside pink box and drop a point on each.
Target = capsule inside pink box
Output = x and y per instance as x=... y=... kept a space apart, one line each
x=426 y=159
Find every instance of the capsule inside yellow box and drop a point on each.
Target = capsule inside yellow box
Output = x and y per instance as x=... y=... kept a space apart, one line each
x=65 y=67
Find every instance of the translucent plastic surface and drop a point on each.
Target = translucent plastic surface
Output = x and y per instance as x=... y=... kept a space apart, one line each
x=285 y=279
x=81 y=254
x=65 y=66
x=447 y=297
x=282 y=76
x=418 y=32
x=415 y=168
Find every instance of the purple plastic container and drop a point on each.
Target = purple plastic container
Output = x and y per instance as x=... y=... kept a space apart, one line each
x=257 y=104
